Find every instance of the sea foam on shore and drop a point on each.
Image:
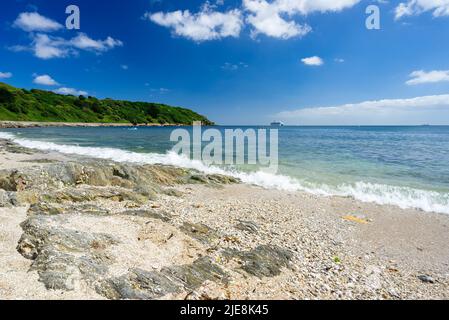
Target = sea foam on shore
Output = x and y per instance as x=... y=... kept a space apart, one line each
x=403 y=197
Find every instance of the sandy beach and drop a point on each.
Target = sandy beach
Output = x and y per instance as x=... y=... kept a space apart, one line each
x=77 y=228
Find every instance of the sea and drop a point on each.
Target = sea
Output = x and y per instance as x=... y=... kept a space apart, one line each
x=405 y=166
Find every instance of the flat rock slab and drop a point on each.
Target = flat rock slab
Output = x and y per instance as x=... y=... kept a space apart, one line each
x=144 y=285
x=263 y=261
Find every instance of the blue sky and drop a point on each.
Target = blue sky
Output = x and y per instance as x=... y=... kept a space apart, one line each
x=240 y=62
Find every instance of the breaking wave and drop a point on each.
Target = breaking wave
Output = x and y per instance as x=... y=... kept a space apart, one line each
x=403 y=197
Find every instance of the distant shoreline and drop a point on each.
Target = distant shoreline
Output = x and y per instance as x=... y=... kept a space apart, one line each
x=36 y=124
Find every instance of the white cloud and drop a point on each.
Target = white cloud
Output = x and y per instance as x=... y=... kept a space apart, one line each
x=160 y=90
x=420 y=110
x=202 y=26
x=313 y=61
x=233 y=66
x=49 y=47
x=270 y=18
x=266 y=18
x=33 y=21
x=82 y=41
x=339 y=60
x=70 y=91
x=420 y=77
x=45 y=80
x=5 y=75
x=45 y=47
x=439 y=8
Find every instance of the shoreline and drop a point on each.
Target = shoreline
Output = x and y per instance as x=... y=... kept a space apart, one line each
x=36 y=124
x=125 y=223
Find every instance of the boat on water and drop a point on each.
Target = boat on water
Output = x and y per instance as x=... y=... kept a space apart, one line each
x=277 y=124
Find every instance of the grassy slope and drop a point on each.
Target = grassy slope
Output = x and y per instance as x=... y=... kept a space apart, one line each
x=38 y=105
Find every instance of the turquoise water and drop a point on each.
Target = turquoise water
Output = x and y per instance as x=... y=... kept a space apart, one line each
x=404 y=166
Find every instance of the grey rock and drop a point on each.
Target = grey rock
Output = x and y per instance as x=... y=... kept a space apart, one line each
x=248 y=226
x=211 y=179
x=144 y=285
x=200 y=232
x=426 y=278
x=263 y=261
x=63 y=256
x=152 y=214
x=5 y=200
x=43 y=208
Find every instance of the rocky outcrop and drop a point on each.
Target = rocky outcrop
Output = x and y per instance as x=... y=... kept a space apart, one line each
x=67 y=253
x=64 y=257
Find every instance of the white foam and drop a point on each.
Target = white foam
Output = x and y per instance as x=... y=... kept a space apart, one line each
x=402 y=197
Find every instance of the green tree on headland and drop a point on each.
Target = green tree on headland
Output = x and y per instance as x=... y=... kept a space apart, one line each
x=45 y=106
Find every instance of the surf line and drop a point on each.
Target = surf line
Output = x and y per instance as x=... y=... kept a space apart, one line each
x=229 y=146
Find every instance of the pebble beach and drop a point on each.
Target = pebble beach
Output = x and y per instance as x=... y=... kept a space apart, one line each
x=77 y=228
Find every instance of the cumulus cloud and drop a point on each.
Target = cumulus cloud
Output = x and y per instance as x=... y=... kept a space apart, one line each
x=271 y=18
x=313 y=61
x=82 y=41
x=33 y=21
x=438 y=8
x=421 y=76
x=205 y=25
x=47 y=47
x=45 y=80
x=419 y=110
x=266 y=18
x=275 y=18
x=5 y=75
x=70 y=91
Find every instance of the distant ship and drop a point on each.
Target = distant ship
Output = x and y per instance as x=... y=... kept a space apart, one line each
x=277 y=124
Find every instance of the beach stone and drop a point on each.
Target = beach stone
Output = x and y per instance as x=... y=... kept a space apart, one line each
x=89 y=209
x=426 y=278
x=248 y=226
x=152 y=214
x=12 y=180
x=43 y=208
x=148 y=191
x=200 y=232
x=263 y=261
x=5 y=200
x=89 y=193
x=214 y=179
x=146 y=285
x=14 y=148
x=138 y=285
x=172 y=193
x=193 y=275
